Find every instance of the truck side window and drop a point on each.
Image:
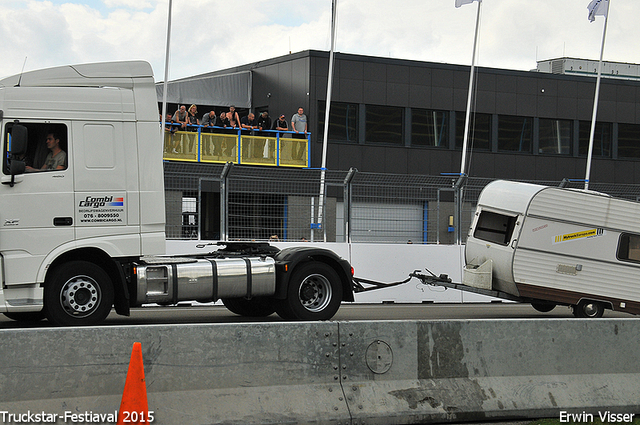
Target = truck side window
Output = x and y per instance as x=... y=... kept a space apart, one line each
x=629 y=247
x=493 y=227
x=42 y=154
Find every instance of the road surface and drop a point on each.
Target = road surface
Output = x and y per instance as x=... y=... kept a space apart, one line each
x=199 y=313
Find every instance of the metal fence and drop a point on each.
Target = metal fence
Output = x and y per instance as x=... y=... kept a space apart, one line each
x=226 y=202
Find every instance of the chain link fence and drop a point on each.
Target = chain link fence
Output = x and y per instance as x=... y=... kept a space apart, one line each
x=226 y=202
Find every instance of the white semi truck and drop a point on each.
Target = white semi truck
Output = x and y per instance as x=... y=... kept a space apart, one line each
x=87 y=236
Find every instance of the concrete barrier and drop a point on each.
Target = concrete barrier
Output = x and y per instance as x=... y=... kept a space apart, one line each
x=391 y=372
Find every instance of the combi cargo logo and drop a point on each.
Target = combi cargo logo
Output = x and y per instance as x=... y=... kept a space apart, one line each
x=106 y=201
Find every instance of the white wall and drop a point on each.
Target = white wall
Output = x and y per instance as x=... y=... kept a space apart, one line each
x=386 y=263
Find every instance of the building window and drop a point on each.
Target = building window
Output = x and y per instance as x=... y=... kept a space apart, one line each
x=429 y=128
x=555 y=136
x=479 y=131
x=628 y=141
x=343 y=121
x=384 y=124
x=515 y=134
x=601 y=139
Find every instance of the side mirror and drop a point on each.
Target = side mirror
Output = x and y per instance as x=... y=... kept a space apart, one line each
x=17 y=167
x=19 y=136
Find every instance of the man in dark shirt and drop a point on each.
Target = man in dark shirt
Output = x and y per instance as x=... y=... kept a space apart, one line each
x=208 y=121
x=267 y=147
x=281 y=124
x=248 y=122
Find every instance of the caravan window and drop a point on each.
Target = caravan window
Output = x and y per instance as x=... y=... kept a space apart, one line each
x=494 y=227
x=629 y=248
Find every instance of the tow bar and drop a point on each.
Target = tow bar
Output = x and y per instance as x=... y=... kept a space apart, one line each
x=427 y=279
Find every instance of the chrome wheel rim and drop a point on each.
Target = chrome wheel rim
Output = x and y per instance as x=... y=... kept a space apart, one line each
x=80 y=296
x=315 y=293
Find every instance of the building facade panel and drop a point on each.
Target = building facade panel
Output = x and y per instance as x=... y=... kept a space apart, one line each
x=375 y=92
x=441 y=98
x=350 y=91
x=397 y=94
x=420 y=76
x=419 y=96
x=351 y=69
x=529 y=124
x=505 y=103
x=398 y=74
x=375 y=72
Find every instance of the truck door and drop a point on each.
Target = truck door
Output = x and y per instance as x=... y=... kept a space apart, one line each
x=36 y=213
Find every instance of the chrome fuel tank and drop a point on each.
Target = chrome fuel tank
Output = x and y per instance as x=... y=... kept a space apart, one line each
x=170 y=280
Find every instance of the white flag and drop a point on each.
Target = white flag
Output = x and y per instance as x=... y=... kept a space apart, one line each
x=597 y=7
x=461 y=2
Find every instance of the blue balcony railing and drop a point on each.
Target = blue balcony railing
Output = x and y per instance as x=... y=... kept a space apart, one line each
x=218 y=144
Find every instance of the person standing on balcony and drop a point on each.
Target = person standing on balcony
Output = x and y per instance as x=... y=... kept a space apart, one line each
x=209 y=119
x=233 y=117
x=192 y=119
x=299 y=124
x=264 y=121
x=266 y=147
x=223 y=121
x=281 y=124
x=249 y=122
x=180 y=117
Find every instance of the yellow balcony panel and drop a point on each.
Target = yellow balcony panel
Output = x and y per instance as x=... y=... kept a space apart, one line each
x=294 y=152
x=181 y=146
x=218 y=147
x=258 y=150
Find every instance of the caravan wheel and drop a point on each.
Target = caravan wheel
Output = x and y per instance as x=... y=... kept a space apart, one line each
x=588 y=309
x=543 y=307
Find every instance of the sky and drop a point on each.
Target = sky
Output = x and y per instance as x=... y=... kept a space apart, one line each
x=210 y=35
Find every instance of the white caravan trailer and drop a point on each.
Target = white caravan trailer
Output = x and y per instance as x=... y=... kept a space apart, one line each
x=553 y=246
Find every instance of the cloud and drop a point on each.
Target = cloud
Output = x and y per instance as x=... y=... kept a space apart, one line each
x=131 y=4
x=209 y=35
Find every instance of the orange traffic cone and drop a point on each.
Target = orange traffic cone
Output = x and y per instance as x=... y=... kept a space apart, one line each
x=133 y=407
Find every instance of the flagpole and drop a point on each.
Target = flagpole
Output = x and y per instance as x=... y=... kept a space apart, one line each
x=323 y=167
x=595 y=105
x=166 y=73
x=465 y=140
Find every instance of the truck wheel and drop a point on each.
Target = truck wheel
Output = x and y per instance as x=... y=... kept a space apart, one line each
x=79 y=293
x=255 y=307
x=314 y=293
x=30 y=316
x=588 y=309
x=543 y=307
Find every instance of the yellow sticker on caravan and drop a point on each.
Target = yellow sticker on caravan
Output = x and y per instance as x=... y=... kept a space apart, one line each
x=568 y=237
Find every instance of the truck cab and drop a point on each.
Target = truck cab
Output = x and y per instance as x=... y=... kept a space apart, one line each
x=104 y=201
x=84 y=234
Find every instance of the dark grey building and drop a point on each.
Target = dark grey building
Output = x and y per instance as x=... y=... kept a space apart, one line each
x=407 y=117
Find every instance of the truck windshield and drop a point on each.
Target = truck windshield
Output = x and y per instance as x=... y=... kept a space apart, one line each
x=494 y=227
